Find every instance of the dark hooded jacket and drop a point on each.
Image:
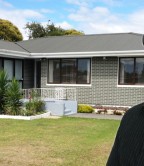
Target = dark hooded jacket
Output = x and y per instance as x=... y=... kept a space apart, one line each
x=128 y=148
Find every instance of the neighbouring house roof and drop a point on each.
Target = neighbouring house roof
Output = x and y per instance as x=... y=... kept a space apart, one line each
x=85 y=45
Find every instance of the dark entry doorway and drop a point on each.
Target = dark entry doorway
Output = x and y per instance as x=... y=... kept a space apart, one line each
x=38 y=74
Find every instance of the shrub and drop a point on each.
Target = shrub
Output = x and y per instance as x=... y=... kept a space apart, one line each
x=13 y=96
x=117 y=112
x=3 y=90
x=83 y=108
x=102 y=111
x=34 y=107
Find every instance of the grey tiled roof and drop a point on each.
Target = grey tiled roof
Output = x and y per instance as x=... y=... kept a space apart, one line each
x=11 y=46
x=85 y=43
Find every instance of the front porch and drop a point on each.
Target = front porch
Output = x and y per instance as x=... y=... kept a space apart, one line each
x=59 y=101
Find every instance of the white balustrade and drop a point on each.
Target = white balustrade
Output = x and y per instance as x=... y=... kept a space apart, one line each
x=51 y=93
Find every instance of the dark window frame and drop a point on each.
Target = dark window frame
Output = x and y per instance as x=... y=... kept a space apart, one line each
x=133 y=82
x=13 y=61
x=60 y=82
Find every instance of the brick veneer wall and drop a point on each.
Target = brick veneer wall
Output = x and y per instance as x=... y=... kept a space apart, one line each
x=103 y=89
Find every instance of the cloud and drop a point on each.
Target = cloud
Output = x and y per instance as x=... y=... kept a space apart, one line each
x=111 y=2
x=46 y=11
x=3 y=3
x=90 y=2
x=100 y=19
x=64 y=25
x=85 y=14
x=78 y=2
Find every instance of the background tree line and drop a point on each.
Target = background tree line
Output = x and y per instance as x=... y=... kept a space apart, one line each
x=10 y=32
x=36 y=30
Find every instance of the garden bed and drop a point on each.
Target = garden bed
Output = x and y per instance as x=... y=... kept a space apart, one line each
x=99 y=109
x=44 y=115
x=110 y=110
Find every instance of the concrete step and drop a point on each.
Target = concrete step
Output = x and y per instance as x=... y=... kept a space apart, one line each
x=67 y=111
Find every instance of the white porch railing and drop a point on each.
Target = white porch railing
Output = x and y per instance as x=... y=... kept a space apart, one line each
x=51 y=93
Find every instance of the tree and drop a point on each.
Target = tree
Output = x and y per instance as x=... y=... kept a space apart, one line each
x=73 y=32
x=13 y=97
x=9 y=31
x=36 y=30
x=3 y=90
x=52 y=30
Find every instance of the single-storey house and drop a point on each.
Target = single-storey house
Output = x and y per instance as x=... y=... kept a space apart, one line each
x=105 y=69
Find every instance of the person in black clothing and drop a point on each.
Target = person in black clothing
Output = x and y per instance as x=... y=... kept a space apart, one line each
x=128 y=148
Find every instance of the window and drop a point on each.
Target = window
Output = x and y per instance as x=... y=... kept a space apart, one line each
x=54 y=71
x=83 y=75
x=13 y=68
x=131 y=71
x=69 y=71
x=8 y=67
x=18 y=71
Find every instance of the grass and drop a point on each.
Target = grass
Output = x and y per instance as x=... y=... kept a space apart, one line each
x=56 y=142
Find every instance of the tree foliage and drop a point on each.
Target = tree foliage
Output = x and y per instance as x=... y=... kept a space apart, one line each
x=3 y=90
x=73 y=32
x=36 y=30
x=13 y=97
x=9 y=31
x=52 y=30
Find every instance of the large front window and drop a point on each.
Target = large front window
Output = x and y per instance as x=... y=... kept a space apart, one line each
x=131 y=71
x=69 y=71
x=13 y=68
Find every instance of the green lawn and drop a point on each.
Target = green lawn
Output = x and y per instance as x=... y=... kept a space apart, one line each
x=56 y=142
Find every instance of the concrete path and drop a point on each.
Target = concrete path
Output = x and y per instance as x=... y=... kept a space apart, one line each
x=96 y=116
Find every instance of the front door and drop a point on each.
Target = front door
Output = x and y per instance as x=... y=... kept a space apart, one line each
x=38 y=74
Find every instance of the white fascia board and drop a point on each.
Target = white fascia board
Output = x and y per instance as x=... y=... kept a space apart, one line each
x=89 y=54
x=17 y=54
x=14 y=54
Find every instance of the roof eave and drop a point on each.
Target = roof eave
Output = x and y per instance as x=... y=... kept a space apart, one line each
x=129 y=53
x=17 y=54
x=11 y=53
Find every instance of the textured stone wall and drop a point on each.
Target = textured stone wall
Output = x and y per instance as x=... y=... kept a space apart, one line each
x=103 y=89
x=44 y=66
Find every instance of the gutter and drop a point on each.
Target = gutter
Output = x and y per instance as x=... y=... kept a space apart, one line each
x=17 y=54
x=89 y=54
x=11 y=53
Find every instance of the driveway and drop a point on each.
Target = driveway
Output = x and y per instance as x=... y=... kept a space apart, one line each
x=96 y=116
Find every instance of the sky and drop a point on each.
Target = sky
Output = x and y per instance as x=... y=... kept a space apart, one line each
x=89 y=16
